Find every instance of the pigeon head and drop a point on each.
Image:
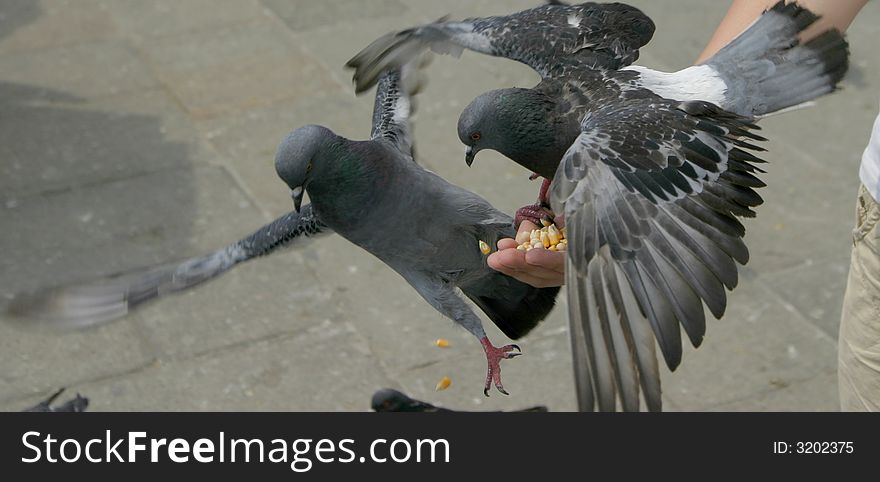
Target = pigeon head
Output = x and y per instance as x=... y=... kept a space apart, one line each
x=518 y=123
x=296 y=159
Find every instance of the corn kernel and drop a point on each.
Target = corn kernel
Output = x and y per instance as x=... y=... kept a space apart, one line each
x=442 y=343
x=545 y=240
x=545 y=223
x=522 y=237
x=443 y=384
x=521 y=247
x=484 y=248
x=553 y=234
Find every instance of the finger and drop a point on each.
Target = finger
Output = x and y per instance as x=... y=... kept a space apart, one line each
x=559 y=221
x=507 y=243
x=527 y=226
x=513 y=263
x=507 y=260
x=550 y=260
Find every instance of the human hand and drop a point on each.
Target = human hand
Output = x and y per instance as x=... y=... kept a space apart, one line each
x=540 y=268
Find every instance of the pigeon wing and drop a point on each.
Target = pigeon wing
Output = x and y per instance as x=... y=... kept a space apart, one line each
x=106 y=299
x=550 y=39
x=651 y=192
x=395 y=104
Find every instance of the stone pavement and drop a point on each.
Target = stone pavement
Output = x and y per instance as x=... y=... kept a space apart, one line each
x=137 y=132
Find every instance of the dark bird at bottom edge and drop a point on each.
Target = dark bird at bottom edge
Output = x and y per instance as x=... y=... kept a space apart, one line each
x=390 y=400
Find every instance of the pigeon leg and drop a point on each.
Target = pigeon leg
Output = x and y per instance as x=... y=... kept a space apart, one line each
x=442 y=296
x=493 y=357
x=538 y=211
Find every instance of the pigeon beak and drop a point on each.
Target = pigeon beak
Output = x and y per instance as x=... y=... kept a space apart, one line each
x=297 y=195
x=469 y=154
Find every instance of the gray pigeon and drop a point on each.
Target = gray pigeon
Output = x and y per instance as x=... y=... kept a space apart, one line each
x=582 y=53
x=651 y=170
x=372 y=193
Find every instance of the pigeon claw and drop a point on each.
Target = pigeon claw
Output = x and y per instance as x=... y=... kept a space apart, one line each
x=493 y=358
x=533 y=213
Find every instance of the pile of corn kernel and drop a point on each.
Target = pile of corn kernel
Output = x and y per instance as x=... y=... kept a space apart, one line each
x=549 y=237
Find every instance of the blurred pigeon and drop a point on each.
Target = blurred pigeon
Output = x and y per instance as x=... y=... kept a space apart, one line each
x=390 y=400
x=76 y=404
x=650 y=169
x=373 y=194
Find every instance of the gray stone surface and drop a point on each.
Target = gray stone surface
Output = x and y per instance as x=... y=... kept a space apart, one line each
x=141 y=132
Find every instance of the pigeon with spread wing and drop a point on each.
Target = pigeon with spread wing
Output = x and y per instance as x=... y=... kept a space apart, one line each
x=650 y=169
x=372 y=193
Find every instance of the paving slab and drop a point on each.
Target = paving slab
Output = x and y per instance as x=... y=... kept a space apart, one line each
x=142 y=132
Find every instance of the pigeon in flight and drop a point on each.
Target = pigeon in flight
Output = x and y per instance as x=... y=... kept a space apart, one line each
x=372 y=193
x=650 y=169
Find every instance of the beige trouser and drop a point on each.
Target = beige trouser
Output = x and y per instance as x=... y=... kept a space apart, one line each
x=859 y=341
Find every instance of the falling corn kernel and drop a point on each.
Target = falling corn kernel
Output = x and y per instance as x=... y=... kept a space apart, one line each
x=484 y=248
x=443 y=384
x=442 y=342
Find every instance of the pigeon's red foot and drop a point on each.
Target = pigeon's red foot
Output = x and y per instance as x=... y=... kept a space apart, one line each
x=533 y=213
x=493 y=357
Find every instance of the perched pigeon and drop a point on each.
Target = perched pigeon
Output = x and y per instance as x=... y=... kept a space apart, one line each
x=372 y=193
x=76 y=404
x=390 y=400
x=650 y=169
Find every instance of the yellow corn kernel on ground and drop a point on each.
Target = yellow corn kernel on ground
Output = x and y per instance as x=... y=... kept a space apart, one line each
x=442 y=342
x=443 y=384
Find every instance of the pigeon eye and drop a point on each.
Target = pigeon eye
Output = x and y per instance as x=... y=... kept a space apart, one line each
x=476 y=136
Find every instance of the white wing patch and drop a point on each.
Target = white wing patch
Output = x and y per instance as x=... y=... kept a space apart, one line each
x=401 y=110
x=699 y=82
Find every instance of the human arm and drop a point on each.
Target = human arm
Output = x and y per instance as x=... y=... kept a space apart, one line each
x=834 y=14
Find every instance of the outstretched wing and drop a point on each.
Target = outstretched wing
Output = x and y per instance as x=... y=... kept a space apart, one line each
x=651 y=191
x=395 y=104
x=106 y=299
x=549 y=39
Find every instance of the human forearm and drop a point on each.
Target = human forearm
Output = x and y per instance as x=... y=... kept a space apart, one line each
x=834 y=14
